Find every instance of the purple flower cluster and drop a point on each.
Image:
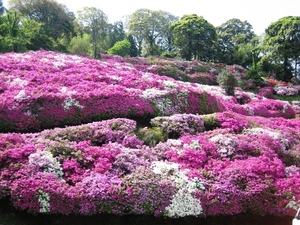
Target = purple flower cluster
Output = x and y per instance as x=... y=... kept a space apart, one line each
x=179 y=124
x=287 y=90
x=249 y=160
x=46 y=89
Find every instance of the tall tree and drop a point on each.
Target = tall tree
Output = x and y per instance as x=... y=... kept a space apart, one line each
x=133 y=51
x=166 y=41
x=1 y=8
x=93 y=21
x=116 y=33
x=194 y=36
x=56 y=18
x=282 y=41
x=20 y=34
x=235 y=38
x=150 y=29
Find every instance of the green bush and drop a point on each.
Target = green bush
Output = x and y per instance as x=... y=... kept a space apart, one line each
x=210 y=121
x=121 y=48
x=152 y=136
x=81 y=45
x=228 y=81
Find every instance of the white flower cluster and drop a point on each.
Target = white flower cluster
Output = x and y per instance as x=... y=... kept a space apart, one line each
x=59 y=64
x=195 y=145
x=44 y=201
x=293 y=204
x=286 y=90
x=274 y=134
x=18 y=81
x=115 y=78
x=152 y=93
x=164 y=168
x=226 y=144
x=63 y=59
x=163 y=105
x=69 y=102
x=65 y=90
x=170 y=84
x=296 y=106
x=183 y=202
x=21 y=96
x=45 y=161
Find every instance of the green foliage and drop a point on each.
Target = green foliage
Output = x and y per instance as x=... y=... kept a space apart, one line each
x=194 y=36
x=256 y=74
x=168 y=54
x=151 y=30
x=228 y=81
x=282 y=43
x=236 y=43
x=81 y=45
x=151 y=136
x=121 y=48
x=20 y=34
x=94 y=22
x=210 y=121
x=1 y=8
x=55 y=18
x=116 y=33
x=133 y=51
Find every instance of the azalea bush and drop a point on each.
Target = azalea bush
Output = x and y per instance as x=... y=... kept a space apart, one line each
x=102 y=167
x=112 y=138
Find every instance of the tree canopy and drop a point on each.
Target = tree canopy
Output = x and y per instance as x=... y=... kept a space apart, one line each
x=55 y=17
x=234 y=37
x=47 y=24
x=282 y=41
x=151 y=28
x=20 y=34
x=194 y=36
x=1 y=8
x=94 y=22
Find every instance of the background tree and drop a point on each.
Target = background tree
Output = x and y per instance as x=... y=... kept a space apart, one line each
x=166 y=40
x=194 y=36
x=133 y=51
x=1 y=8
x=19 y=34
x=116 y=33
x=81 y=45
x=235 y=42
x=150 y=30
x=94 y=22
x=10 y=30
x=282 y=43
x=56 y=19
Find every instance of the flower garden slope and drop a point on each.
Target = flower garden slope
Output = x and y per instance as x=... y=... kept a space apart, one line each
x=102 y=167
x=44 y=89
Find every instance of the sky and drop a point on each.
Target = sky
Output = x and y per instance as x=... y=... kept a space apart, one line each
x=259 y=13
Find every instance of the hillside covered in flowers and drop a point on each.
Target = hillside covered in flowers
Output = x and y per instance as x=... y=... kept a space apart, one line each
x=125 y=136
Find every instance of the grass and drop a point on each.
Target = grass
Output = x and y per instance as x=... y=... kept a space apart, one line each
x=288 y=98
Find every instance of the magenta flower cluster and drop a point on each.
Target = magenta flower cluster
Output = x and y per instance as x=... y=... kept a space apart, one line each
x=46 y=89
x=247 y=161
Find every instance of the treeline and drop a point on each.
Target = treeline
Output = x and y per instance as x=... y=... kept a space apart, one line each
x=47 y=24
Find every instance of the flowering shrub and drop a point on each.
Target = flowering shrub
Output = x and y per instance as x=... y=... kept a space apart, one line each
x=179 y=124
x=287 y=90
x=206 y=153
x=266 y=92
